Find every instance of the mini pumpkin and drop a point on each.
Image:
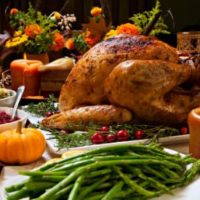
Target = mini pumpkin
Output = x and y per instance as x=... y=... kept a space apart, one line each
x=21 y=145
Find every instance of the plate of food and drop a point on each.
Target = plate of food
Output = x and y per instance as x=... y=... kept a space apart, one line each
x=120 y=171
x=142 y=86
x=81 y=136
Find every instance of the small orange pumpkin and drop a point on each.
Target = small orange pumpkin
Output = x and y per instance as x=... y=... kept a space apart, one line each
x=21 y=145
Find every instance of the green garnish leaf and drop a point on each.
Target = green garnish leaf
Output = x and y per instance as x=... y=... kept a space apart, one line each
x=147 y=20
x=41 y=108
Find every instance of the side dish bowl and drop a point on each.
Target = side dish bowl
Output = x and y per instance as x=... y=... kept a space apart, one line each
x=21 y=116
x=8 y=101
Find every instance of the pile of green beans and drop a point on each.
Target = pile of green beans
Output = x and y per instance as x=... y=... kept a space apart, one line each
x=116 y=172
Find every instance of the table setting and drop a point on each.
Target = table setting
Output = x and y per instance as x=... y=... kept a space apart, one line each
x=99 y=112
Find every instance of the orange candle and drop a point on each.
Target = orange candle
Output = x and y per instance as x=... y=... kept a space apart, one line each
x=31 y=80
x=194 y=130
x=25 y=72
x=17 y=70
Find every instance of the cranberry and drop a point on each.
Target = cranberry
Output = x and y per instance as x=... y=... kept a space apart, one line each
x=110 y=138
x=184 y=130
x=122 y=135
x=6 y=118
x=97 y=138
x=105 y=128
x=48 y=114
x=139 y=134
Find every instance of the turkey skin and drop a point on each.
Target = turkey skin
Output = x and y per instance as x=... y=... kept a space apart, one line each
x=85 y=83
x=137 y=74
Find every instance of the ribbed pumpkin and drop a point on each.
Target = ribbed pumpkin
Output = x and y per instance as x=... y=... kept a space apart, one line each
x=21 y=145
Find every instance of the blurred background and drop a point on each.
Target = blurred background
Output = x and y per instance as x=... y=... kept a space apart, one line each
x=185 y=12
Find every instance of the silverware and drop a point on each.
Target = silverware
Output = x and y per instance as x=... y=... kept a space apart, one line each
x=20 y=92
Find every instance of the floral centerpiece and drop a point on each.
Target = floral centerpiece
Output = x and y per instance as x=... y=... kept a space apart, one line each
x=91 y=33
x=96 y=30
x=35 y=33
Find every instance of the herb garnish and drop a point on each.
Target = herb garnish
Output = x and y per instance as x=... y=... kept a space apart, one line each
x=150 y=22
x=41 y=108
x=65 y=139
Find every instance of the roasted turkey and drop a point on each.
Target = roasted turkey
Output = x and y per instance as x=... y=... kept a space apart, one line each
x=137 y=75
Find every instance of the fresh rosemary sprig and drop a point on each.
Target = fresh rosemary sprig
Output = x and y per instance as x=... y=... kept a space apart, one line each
x=65 y=139
x=41 y=108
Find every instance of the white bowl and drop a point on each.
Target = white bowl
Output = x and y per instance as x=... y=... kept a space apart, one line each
x=8 y=101
x=13 y=125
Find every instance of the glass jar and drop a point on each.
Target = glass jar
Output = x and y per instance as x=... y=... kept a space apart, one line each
x=189 y=41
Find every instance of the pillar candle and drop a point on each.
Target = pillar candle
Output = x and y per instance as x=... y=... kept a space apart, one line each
x=25 y=72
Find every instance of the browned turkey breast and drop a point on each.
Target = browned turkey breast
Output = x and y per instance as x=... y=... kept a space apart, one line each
x=84 y=85
x=135 y=73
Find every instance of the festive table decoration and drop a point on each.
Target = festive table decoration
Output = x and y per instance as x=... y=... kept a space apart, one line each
x=35 y=33
x=21 y=146
x=146 y=23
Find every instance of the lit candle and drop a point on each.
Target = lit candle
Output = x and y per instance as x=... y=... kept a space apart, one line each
x=194 y=130
x=17 y=70
x=32 y=80
x=25 y=72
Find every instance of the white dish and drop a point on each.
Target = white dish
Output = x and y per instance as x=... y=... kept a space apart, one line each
x=34 y=119
x=12 y=125
x=8 y=101
x=165 y=140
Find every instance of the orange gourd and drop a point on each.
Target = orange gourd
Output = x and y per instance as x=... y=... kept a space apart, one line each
x=21 y=145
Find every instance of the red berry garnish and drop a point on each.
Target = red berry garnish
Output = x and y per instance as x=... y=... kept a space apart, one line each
x=97 y=138
x=122 y=135
x=139 y=134
x=48 y=114
x=184 y=130
x=110 y=138
x=105 y=128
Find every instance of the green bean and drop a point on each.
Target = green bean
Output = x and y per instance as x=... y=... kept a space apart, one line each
x=113 y=191
x=96 y=196
x=134 y=185
x=62 y=192
x=103 y=173
x=33 y=185
x=156 y=173
x=74 y=165
x=22 y=193
x=76 y=187
x=158 y=185
x=92 y=187
x=191 y=173
x=43 y=173
x=49 y=178
x=99 y=173
x=170 y=173
x=16 y=187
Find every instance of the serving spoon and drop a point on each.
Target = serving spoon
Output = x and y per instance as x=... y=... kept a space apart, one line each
x=20 y=92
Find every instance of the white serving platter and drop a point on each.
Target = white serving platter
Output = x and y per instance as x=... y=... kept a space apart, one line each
x=34 y=119
x=165 y=140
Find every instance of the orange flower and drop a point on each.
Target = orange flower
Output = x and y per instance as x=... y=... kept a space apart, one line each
x=91 y=39
x=13 y=11
x=70 y=43
x=33 y=30
x=57 y=15
x=128 y=28
x=59 y=42
x=95 y=11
